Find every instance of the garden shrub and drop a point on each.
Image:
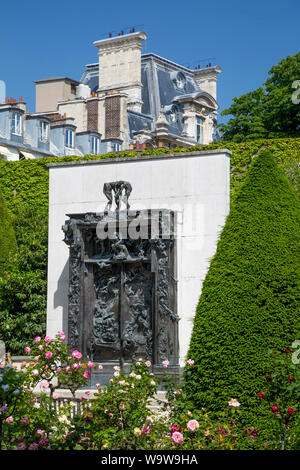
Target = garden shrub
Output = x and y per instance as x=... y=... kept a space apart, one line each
x=250 y=296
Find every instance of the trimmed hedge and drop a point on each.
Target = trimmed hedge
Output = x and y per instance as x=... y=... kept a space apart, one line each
x=8 y=243
x=250 y=296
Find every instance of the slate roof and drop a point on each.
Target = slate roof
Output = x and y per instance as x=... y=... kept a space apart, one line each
x=163 y=83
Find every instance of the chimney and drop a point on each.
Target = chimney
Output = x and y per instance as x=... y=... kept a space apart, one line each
x=206 y=79
x=120 y=66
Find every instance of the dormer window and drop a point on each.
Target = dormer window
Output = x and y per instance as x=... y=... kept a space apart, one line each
x=94 y=145
x=69 y=138
x=44 y=131
x=179 y=80
x=16 y=127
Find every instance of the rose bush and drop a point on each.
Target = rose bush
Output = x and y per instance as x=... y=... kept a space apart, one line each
x=118 y=415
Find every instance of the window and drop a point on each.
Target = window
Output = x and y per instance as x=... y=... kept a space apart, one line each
x=180 y=80
x=199 y=130
x=94 y=145
x=16 y=124
x=116 y=147
x=44 y=129
x=69 y=138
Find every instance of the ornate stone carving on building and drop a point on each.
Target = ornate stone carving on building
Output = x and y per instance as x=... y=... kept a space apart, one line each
x=122 y=289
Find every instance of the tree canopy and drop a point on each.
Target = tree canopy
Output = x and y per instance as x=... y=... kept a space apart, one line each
x=271 y=111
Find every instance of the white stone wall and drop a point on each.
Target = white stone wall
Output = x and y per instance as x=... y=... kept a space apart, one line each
x=196 y=185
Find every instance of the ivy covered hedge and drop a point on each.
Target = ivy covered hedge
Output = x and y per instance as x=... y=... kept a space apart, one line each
x=24 y=185
x=250 y=296
x=8 y=243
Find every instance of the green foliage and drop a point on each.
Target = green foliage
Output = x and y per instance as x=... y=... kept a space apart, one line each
x=23 y=285
x=250 y=295
x=269 y=111
x=280 y=398
x=8 y=243
x=247 y=123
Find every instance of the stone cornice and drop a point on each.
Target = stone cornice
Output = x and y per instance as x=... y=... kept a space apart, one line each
x=119 y=41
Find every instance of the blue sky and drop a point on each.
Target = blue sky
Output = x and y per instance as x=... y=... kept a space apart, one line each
x=41 y=39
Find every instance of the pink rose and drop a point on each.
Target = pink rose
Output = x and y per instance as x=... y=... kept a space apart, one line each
x=55 y=395
x=48 y=354
x=60 y=333
x=58 y=369
x=9 y=419
x=192 y=425
x=75 y=366
x=87 y=374
x=27 y=350
x=37 y=339
x=146 y=428
x=100 y=367
x=45 y=384
x=62 y=337
x=148 y=363
x=90 y=364
x=41 y=347
x=177 y=437
x=77 y=354
x=190 y=362
x=47 y=339
x=67 y=368
x=166 y=363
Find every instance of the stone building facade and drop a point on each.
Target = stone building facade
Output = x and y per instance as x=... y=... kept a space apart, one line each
x=125 y=100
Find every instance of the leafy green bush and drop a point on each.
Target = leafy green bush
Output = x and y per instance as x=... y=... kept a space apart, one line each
x=250 y=295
